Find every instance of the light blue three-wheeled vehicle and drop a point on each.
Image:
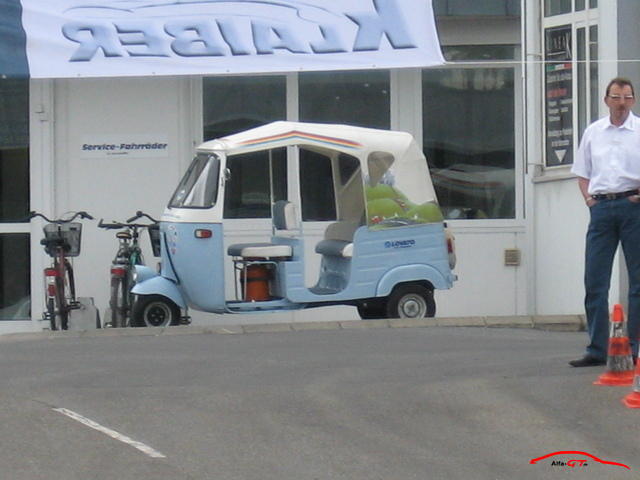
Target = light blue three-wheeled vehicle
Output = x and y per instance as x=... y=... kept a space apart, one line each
x=385 y=252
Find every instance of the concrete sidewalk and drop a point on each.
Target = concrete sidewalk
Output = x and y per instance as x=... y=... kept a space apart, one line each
x=557 y=323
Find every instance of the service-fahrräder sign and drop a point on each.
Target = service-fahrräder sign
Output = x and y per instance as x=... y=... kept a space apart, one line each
x=104 y=38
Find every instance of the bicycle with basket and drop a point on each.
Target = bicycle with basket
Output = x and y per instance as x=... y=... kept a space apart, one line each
x=62 y=241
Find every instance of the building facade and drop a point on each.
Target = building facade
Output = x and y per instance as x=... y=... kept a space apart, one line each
x=499 y=125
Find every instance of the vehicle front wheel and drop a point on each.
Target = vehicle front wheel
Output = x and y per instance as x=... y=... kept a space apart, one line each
x=155 y=311
x=411 y=301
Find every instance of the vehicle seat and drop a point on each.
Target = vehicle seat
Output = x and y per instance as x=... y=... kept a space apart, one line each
x=338 y=239
x=284 y=224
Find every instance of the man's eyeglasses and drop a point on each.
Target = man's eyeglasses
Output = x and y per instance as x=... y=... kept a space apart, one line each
x=619 y=97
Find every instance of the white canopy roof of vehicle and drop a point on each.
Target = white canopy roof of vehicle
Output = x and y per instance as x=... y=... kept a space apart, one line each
x=381 y=152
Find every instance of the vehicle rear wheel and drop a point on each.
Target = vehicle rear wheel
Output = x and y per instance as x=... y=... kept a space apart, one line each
x=411 y=301
x=155 y=311
x=371 y=309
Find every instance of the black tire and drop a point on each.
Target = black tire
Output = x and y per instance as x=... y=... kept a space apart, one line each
x=62 y=317
x=371 y=309
x=70 y=282
x=154 y=311
x=51 y=313
x=116 y=302
x=411 y=301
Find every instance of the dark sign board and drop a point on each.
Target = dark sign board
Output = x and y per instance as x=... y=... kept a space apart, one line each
x=559 y=96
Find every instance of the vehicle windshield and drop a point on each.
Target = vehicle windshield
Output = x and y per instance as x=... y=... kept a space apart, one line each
x=199 y=186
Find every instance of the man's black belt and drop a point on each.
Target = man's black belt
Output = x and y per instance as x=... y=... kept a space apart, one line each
x=613 y=196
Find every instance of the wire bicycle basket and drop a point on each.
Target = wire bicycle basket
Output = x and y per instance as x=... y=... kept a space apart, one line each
x=67 y=235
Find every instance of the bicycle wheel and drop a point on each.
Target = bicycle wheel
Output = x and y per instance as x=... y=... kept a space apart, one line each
x=62 y=310
x=70 y=283
x=116 y=302
x=128 y=299
x=51 y=313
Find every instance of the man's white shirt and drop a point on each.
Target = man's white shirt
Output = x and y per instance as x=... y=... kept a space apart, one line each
x=609 y=156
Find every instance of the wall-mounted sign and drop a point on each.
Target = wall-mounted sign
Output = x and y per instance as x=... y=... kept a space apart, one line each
x=107 y=38
x=125 y=145
x=559 y=96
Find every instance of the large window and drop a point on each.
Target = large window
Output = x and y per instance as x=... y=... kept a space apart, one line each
x=469 y=140
x=559 y=7
x=477 y=7
x=15 y=263
x=14 y=276
x=353 y=98
x=234 y=104
x=14 y=150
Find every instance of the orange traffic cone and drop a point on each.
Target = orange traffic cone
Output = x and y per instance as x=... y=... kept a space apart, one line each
x=619 y=360
x=632 y=400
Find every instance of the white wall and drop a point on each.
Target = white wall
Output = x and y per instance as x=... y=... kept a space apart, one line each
x=485 y=285
x=114 y=188
x=561 y=220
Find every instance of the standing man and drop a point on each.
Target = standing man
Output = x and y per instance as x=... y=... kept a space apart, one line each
x=608 y=170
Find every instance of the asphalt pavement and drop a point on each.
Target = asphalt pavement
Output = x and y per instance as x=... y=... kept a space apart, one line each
x=328 y=400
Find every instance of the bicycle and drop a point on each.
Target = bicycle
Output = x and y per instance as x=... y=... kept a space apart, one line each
x=61 y=242
x=128 y=255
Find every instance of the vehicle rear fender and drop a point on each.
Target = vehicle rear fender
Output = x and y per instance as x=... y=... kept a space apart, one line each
x=410 y=273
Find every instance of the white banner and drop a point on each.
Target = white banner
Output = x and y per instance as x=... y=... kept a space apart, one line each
x=104 y=38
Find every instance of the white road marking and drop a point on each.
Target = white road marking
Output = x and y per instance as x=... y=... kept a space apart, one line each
x=147 y=450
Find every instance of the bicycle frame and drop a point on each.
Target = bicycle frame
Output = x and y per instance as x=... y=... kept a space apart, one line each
x=56 y=279
x=60 y=291
x=128 y=255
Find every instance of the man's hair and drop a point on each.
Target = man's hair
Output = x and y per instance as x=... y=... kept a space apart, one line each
x=621 y=82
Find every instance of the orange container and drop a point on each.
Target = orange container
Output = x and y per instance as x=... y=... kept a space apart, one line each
x=255 y=281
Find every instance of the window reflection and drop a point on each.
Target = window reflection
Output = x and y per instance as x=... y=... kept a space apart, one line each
x=14 y=150
x=234 y=104
x=469 y=140
x=353 y=98
x=556 y=7
x=475 y=7
x=15 y=301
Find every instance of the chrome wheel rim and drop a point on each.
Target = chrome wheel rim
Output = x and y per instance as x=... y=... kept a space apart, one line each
x=412 y=306
x=157 y=314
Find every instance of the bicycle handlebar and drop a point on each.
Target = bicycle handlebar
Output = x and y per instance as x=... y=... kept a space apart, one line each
x=119 y=225
x=81 y=214
x=141 y=214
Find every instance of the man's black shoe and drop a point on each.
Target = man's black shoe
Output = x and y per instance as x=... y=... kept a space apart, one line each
x=587 y=361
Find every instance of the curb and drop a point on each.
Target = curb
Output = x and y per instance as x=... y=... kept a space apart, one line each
x=563 y=323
